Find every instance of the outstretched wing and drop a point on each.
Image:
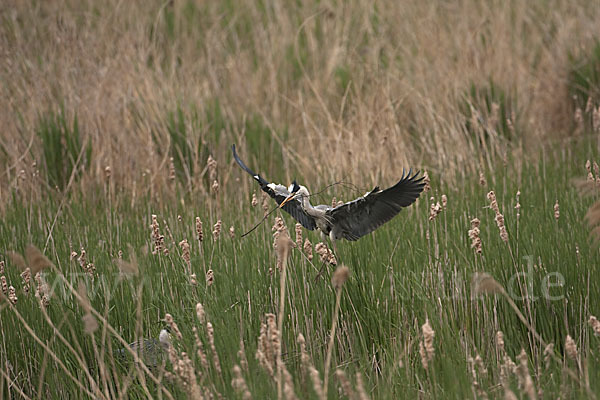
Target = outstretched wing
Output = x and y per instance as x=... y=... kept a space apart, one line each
x=279 y=193
x=367 y=213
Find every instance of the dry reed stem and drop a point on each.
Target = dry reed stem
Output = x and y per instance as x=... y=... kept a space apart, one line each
x=200 y=350
x=525 y=381
x=239 y=383
x=340 y=276
x=211 y=341
x=283 y=246
x=426 y=349
x=360 y=387
x=345 y=384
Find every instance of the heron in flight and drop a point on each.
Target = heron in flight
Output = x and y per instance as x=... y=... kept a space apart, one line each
x=350 y=220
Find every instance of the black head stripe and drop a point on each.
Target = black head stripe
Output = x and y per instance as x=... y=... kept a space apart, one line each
x=295 y=187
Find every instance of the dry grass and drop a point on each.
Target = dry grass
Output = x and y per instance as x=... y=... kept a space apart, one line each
x=358 y=84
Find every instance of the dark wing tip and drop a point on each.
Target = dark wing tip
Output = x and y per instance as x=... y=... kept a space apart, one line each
x=254 y=175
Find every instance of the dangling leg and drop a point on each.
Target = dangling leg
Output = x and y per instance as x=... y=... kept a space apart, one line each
x=333 y=245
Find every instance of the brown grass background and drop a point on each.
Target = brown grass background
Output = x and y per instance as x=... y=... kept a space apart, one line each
x=121 y=67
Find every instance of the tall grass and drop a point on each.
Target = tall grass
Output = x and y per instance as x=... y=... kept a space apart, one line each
x=410 y=271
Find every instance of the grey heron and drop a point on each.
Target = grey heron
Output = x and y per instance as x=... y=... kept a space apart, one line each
x=150 y=351
x=350 y=220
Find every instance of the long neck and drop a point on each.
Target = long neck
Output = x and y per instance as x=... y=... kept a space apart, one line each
x=308 y=208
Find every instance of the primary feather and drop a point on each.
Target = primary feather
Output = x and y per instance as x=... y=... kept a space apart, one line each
x=279 y=193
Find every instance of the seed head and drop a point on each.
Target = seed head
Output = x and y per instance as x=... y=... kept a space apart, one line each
x=171 y=170
x=199 y=233
x=482 y=180
x=239 y=383
x=493 y=203
x=157 y=238
x=42 y=290
x=12 y=295
x=340 y=276
x=173 y=325
x=185 y=253
x=426 y=181
x=474 y=236
x=595 y=324
x=596 y=119
x=588 y=167
x=217 y=230
x=525 y=381
x=298 y=236
x=4 y=284
x=500 y=341
x=308 y=249
x=345 y=384
x=200 y=312
x=484 y=283
x=578 y=118
x=26 y=276
x=548 y=352
x=254 y=200
x=90 y=325
x=434 y=210
x=325 y=254
x=571 y=348
x=556 y=211
x=499 y=217
x=210 y=277
x=283 y=245
x=426 y=348
x=211 y=165
x=210 y=331
x=589 y=104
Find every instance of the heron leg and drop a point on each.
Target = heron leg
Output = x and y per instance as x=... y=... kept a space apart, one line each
x=323 y=264
x=333 y=245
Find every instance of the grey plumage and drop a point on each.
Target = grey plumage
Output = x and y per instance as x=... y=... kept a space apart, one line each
x=150 y=351
x=351 y=220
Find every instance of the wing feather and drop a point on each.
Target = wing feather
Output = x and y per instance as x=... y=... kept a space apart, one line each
x=279 y=193
x=356 y=218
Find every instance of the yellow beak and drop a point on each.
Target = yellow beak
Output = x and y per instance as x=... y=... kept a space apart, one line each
x=290 y=197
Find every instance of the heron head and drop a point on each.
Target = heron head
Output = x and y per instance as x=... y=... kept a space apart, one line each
x=293 y=189
x=164 y=337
